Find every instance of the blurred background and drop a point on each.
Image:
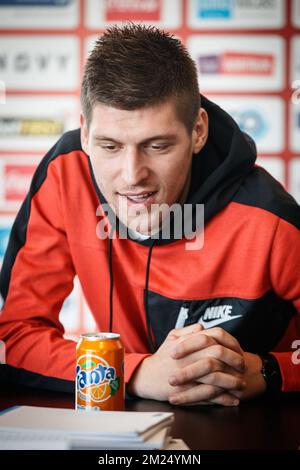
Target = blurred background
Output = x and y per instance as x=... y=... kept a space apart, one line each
x=248 y=57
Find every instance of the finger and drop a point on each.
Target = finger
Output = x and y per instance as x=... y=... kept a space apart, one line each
x=227 y=356
x=207 y=370
x=186 y=353
x=193 y=343
x=224 y=399
x=237 y=393
x=194 y=371
x=226 y=381
x=224 y=338
x=178 y=332
x=195 y=394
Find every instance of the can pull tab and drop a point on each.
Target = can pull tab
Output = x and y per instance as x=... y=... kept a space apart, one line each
x=182 y=317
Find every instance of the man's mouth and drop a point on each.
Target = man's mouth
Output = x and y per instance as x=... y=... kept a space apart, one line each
x=145 y=198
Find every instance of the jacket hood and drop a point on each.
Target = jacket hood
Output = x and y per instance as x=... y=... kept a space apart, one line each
x=220 y=167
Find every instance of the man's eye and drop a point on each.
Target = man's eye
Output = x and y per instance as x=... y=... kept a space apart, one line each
x=158 y=147
x=109 y=148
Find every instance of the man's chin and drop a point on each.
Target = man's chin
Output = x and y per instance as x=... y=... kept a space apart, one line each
x=144 y=227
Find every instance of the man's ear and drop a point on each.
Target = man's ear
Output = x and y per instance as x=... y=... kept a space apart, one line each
x=84 y=134
x=200 y=131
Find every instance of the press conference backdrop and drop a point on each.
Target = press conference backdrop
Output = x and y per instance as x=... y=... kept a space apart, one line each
x=248 y=57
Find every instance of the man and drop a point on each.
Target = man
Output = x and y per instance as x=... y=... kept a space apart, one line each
x=197 y=324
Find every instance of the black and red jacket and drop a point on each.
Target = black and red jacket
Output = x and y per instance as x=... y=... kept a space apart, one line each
x=246 y=278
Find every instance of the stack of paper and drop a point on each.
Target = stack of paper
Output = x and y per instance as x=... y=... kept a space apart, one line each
x=29 y=427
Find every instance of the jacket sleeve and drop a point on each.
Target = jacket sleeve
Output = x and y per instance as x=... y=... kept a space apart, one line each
x=285 y=279
x=36 y=276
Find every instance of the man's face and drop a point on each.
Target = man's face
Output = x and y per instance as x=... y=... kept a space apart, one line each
x=140 y=158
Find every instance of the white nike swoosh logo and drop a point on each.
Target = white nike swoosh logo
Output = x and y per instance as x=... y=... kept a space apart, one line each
x=217 y=321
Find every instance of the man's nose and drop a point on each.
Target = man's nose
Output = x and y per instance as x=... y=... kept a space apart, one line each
x=134 y=169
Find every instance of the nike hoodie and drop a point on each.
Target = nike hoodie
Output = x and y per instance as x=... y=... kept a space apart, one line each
x=245 y=278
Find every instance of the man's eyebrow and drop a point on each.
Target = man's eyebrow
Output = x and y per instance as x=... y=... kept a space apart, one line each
x=169 y=137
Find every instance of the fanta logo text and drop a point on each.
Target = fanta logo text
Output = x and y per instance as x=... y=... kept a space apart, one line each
x=94 y=376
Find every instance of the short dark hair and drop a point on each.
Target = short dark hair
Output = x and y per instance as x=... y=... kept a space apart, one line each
x=137 y=66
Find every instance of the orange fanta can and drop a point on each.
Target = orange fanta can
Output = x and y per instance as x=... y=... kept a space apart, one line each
x=100 y=372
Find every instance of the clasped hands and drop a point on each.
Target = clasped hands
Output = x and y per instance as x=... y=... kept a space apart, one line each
x=198 y=366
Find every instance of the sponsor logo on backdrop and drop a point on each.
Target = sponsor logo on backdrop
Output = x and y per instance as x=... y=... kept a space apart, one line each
x=239 y=63
x=135 y=10
x=164 y=13
x=260 y=117
x=252 y=122
x=235 y=63
x=36 y=122
x=37 y=14
x=215 y=9
x=17 y=179
x=16 y=173
x=236 y=13
x=49 y=63
x=14 y=127
x=35 y=3
x=23 y=61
